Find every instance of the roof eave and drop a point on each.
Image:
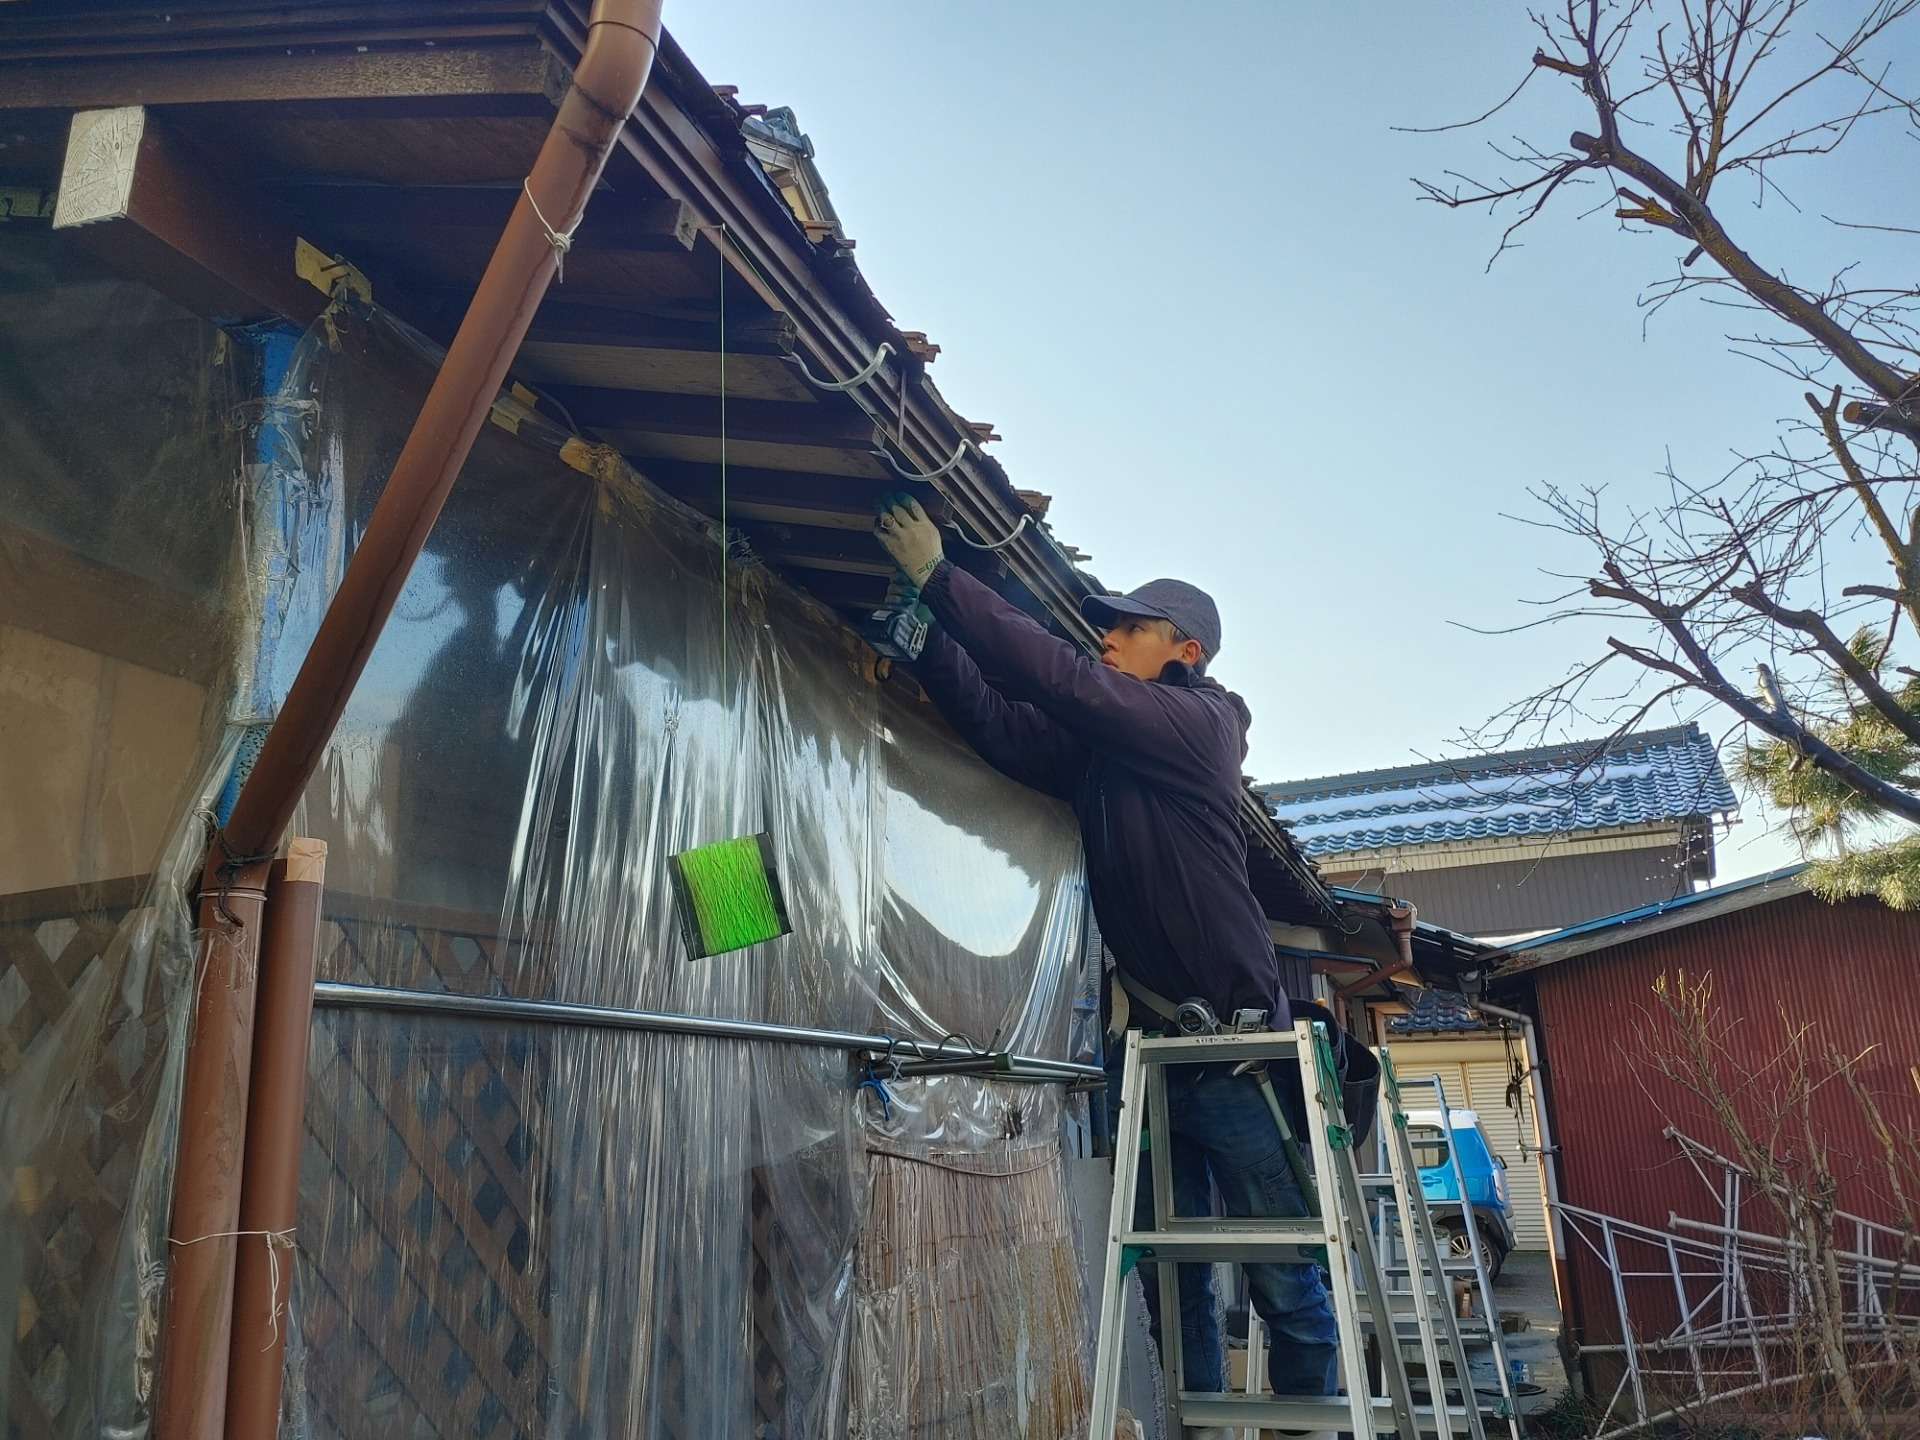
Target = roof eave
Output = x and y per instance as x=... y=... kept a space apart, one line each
x=1608 y=931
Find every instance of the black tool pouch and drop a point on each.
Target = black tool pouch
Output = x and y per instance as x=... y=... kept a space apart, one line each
x=1356 y=1065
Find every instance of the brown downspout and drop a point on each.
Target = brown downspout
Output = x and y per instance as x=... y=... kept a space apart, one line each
x=195 y=1344
x=621 y=36
x=276 y=1103
x=1400 y=917
x=192 y=1390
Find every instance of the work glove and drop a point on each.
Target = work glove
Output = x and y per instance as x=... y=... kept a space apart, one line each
x=910 y=538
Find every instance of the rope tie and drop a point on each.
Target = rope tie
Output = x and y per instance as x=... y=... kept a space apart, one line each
x=560 y=240
x=277 y=1240
x=230 y=865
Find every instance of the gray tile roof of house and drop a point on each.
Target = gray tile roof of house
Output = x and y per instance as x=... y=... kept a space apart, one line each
x=1436 y=1012
x=1661 y=775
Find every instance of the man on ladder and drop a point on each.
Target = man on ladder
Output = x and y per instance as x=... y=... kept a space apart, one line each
x=1148 y=751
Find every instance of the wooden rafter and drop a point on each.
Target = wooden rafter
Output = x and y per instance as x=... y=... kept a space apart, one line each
x=153 y=209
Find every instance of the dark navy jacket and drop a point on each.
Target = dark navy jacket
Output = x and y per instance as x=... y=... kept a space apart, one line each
x=1152 y=771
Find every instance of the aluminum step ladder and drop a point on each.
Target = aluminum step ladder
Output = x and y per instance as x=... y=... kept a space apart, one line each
x=1471 y=1267
x=1418 y=1272
x=1337 y=1236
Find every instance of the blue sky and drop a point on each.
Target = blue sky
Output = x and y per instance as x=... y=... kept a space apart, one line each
x=1174 y=254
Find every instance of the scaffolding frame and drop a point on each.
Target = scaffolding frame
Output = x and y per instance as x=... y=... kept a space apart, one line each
x=1740 y=1296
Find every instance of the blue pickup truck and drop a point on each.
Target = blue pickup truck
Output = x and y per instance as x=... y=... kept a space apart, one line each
x=1435 y=1143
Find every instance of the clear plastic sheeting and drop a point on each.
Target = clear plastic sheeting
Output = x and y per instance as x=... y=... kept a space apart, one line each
x=970 y=1313
x=969 y=1296
x=122 y=600
x=505 y=1229
x=538 y=1230
x=569 y=1232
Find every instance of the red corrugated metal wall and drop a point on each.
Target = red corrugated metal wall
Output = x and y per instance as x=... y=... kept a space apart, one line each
x=1850 y=969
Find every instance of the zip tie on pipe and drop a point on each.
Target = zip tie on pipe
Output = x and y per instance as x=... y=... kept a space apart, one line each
x=1013 y=535
x=866 y=374
x=560 y=240
x=958 y=455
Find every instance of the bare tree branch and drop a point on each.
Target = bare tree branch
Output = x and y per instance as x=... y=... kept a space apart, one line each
x=1814 y=625
x=1706 y=675
x=1756 y=571
x=1778 y=296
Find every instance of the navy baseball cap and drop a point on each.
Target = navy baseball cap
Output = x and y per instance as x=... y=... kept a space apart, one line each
x=1190 y=608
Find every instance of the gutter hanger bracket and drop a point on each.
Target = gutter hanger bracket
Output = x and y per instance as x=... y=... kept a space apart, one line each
x=959 y=454
x=866 y=372
x=1012 y=535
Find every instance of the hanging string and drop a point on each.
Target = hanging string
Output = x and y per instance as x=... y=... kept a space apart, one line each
x=560 y=240
x=726 y=538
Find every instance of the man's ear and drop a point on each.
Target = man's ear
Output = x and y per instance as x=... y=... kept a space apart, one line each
x=1190 y=652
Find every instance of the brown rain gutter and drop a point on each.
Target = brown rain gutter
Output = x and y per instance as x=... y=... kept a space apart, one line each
x=1400 y=916
x=195 y=1345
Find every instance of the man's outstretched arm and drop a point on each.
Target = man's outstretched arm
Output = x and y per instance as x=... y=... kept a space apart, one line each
x=1017 y=740
x=1165 y=730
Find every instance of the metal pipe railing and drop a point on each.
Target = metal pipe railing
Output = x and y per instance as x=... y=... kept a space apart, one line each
x=338 y=995
x=1790 y=1246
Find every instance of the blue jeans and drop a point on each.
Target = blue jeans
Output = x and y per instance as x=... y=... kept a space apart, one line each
x=1224 y=1139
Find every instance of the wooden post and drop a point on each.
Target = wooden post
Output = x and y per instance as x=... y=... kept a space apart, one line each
x=276 y=1110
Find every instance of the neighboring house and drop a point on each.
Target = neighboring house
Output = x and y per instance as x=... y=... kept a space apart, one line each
x=1777 y=958
x=1499 y=846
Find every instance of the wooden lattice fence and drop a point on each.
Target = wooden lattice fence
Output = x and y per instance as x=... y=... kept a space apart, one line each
x=436 y=1149
x=425 y=1298
x=82 y=1039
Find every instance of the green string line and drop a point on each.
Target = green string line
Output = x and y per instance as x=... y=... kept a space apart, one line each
x=731 y=894
x=720 y=257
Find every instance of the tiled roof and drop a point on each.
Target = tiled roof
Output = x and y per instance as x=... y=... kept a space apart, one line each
x=1436 y=1012
x=1661 y=775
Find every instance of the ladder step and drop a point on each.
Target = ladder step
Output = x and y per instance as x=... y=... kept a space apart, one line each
x=1296 y=1412
x=1450 y=1267
x=1406 y=1327
x=1220 y=1049
x=1276 y=1241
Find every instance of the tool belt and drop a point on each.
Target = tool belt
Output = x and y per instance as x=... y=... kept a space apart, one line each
x=1356 y=1065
